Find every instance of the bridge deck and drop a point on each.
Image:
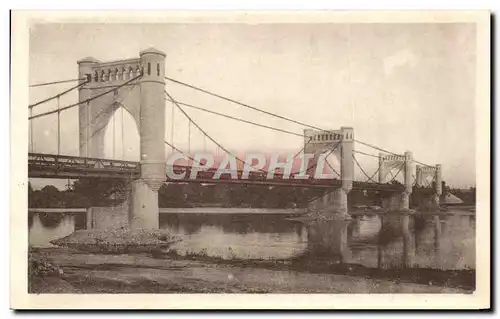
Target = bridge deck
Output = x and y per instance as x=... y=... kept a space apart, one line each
x=62 y=166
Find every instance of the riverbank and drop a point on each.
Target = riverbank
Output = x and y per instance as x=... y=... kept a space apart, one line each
x=144 y=273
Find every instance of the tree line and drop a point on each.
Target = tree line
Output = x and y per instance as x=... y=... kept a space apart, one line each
x=87 y=193
x=105 y=192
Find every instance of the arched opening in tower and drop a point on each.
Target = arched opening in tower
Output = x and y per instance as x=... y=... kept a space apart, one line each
x=121 y=137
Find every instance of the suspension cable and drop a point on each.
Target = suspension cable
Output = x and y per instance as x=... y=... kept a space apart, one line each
x=205 y=133
x=362 y=170
x=380 y=149
x=274 y=115
x=57 y=95
x=423 y=164
x=333 y=169
x=303 y=148
x=243 y=104
x=399 y=171
x=326 y=157
x=56 y=82
x=373 y=175
x=313 y=165
x=253 y=123
x=238 y=119
x=170 y=99
x=377 y=148
x=178 y=150
x=89 y=123
x=104 y=109
x=82 y=102
x=392 y=175
x=428 y=184
x=367 y=154
x=370 y=178
x=221 y=147
x=266 y=112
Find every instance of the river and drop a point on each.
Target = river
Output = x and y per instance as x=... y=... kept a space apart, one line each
x=445 y=242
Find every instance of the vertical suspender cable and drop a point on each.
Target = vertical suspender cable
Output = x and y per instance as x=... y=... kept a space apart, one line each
x=189 y=137
x=114 y=129
x=172 y=129
x=88 y=130
x=58 y=127
x=31 y=131
x=123 y=135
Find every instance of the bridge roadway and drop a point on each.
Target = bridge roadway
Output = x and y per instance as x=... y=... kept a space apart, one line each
x=74 y=167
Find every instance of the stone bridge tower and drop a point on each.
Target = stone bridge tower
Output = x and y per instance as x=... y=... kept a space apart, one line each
x=398 y=201
x=144 y=90
x=341 y=142
x=434 y=174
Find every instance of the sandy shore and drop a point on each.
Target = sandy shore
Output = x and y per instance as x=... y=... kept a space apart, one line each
x=97 y=273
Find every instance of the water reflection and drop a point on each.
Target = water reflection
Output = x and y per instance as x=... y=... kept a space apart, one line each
x=389 y=241
x=44 y=227
x=446 y=242
x=328 y=241
x=236 y=236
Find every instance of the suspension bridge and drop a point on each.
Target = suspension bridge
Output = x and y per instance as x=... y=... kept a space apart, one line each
x=138 y=86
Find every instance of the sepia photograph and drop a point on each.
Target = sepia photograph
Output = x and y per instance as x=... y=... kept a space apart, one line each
x=260 y=157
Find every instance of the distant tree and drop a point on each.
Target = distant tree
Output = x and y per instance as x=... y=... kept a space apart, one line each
x=100 y=192
x=47 y=197
x=74 y=200
x=172 y=195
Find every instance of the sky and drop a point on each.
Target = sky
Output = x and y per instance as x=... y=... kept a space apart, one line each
x=400 y=86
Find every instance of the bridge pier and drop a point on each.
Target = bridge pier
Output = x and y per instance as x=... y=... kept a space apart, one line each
x=339 y=202
x=396 y=202
x=143 y=206
x=144 y=210
x=334 y=204
x=147 y=106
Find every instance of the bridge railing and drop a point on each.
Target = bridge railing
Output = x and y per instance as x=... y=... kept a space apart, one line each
x=377 y=186
x=423 y=189
x=58 y=162
x=253 y=175
x=62 y=166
